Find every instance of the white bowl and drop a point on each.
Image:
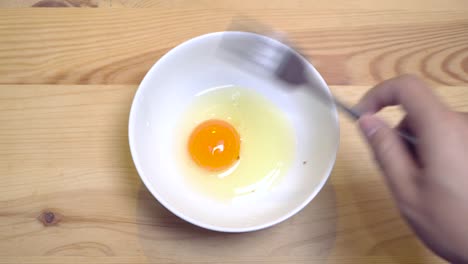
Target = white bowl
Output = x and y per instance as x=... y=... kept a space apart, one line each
x=160 y=102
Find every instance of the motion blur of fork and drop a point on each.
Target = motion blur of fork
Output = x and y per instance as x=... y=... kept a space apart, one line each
x=269 y=56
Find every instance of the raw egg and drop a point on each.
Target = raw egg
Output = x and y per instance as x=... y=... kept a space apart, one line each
x=234 y=142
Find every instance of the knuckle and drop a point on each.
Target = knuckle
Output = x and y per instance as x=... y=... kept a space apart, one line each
x=411 y=79
x=412 y=83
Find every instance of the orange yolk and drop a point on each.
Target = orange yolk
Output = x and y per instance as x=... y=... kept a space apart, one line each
x=214 y=145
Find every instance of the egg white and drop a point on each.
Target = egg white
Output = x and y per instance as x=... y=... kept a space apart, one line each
x=267 y=143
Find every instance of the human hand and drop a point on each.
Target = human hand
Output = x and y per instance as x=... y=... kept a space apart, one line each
x=429 y=181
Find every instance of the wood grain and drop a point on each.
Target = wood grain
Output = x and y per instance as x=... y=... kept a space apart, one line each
x=303 y=4
x=48 y=3
x=348 y=45
x=64 y=150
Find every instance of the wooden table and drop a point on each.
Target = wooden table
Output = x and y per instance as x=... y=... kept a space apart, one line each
x=69 y=192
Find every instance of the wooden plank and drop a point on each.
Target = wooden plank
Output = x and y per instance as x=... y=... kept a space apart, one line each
x=74 y=259
x=48 y=3
x=348 y=46
x=64 y=150
x=139 y=260
x=278 y=4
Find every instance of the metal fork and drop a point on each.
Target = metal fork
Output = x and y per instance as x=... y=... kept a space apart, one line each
x=271 y=57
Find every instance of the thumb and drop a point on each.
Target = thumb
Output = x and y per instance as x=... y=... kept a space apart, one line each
x=391 y=154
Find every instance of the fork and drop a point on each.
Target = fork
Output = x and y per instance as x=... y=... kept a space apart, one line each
x=289 y=66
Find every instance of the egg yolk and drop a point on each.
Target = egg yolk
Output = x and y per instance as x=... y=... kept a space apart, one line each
x=214 y=145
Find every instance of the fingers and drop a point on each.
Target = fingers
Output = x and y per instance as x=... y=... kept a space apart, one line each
x=421 y=105
x=403 y=125
x=392 y=155
x=465 y=115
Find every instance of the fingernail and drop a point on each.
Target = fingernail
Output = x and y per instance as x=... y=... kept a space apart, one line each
x=369 y=125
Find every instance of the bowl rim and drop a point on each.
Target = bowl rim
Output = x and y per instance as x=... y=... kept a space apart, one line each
x=178 y=213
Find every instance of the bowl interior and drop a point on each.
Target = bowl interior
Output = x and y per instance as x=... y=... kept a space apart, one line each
x=162 y=100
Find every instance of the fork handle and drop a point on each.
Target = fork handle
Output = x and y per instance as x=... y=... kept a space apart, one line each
x=356 y=115
x=351 y=112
